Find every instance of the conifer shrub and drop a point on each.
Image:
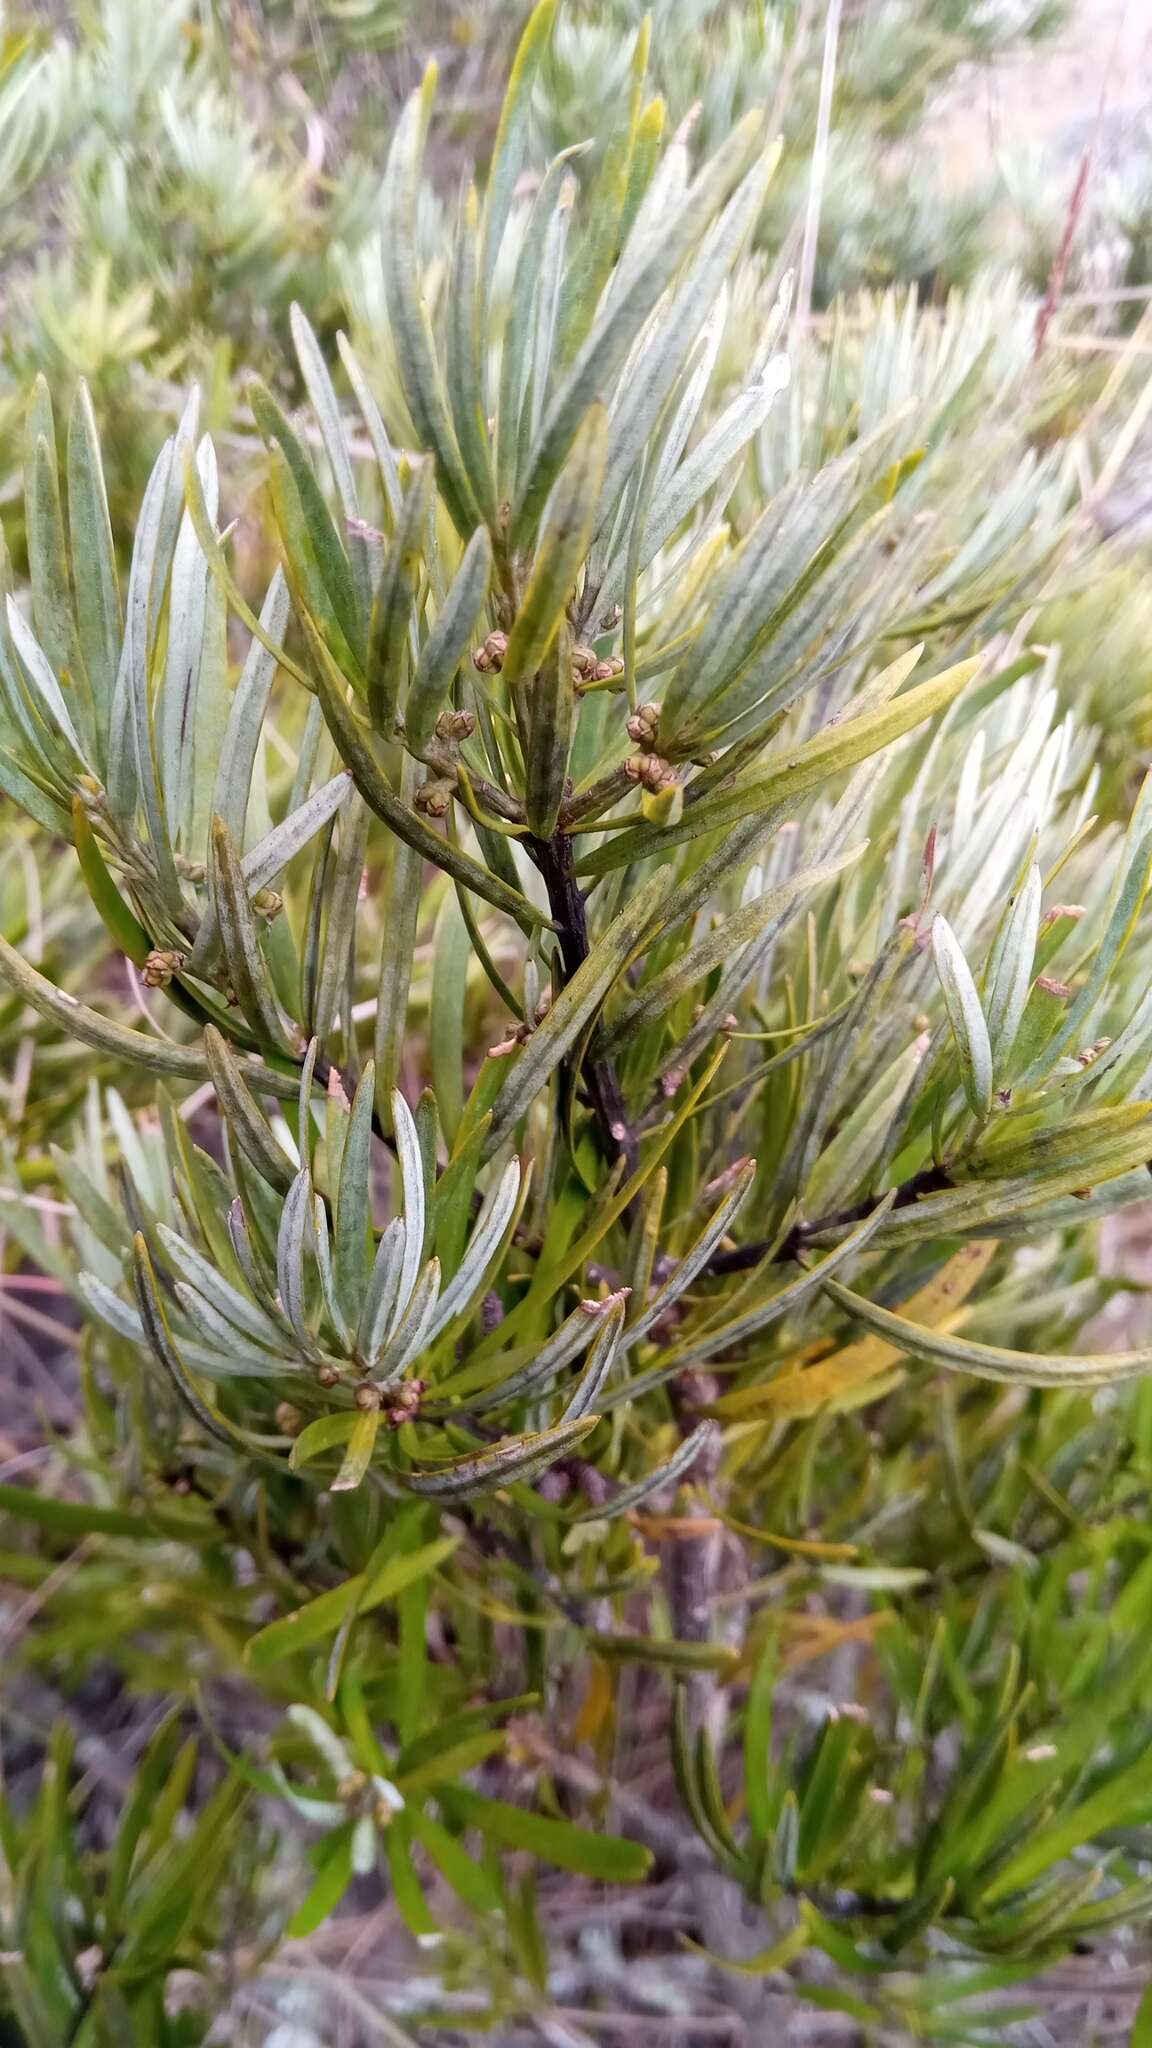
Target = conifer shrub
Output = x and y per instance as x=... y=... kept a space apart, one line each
x=586 y=1239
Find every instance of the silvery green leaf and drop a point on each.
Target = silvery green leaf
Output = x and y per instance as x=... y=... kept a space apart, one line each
x=411 y=1334
x=374 y=428
x=448 y=642
x=407 y=312
x=382 y=1293
x=647 y=389
x=48 y=569
x=969 y=1028
x=251 y=1129
x=695 y=1259
x=850 y=1160
x=400 y=916
x=109 y=1308
x=759 y=921
x=412 y=1185
x=466 y=360
x=296 y=1235
x=354 y=1202
x=555 y=192
x=169 y=1356
x=132 y=672
x=228 y=1301
x=218 y=1329
x=176 y=709
x=47 y=690
x=240 y=941
x=388 y=639
x=512 y=136
x=316 y=554
x=990 y=1361
x=1008 y=992
x=565 y=530
x=674 y=1468
x=602 y=355
x=496 y=1213
x=514 y=1462
x=248 y=712
x=98 y=614
x=586 y=1393
x=714 y=1342
x=324 y=1741
x=318 y=383
x=213 y=694
x=565 y=1344
x=342 y=892
x=240 y=1238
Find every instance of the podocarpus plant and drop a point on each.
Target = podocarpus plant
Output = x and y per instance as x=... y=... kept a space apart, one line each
x=639 y=1018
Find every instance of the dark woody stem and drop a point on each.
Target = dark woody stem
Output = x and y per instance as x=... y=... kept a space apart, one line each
x=929 y=1181
x=554 y=858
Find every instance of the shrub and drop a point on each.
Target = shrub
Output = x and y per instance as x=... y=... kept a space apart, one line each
x=639 y=1016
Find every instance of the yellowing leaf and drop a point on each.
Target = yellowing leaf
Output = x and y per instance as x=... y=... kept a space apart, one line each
x=836 y=1381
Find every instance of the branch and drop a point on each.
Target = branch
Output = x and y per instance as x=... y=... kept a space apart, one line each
x=554 y=858
x=929 y=1181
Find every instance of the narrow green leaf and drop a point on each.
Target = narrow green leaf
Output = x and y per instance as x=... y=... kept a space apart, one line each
x=448 y=642
x=603 y=354
x=387 y=665
x=251 y=1129
x=244 y=958
x=99 y=619
x=355 y=747
x=785 y=776
x=565 y=531
x=989 y=1361
x=411 y=331
x=514 y=1461
x=966 y=1017
x=382 y=1579
x=554 y=708
x=673 y=1469
x=610 y=1859
x=353 y=1243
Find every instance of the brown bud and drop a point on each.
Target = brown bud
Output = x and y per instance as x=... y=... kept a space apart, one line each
x=327 y=1376
x=434 y=796
x=268 y=903
x=490 y=657
x=367 y=1398
x=644 y=724
x=405 y=1402
x=455 y=725
x=650 y=769
x=583 y=661
x=607 y=671
x=159 y=968
x=289 y=1420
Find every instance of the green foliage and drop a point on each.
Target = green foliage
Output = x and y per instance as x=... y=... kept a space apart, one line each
x=639 y=1006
